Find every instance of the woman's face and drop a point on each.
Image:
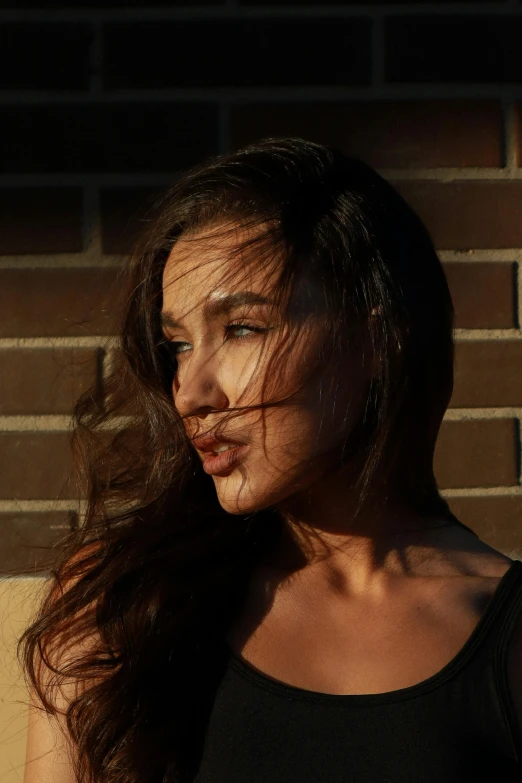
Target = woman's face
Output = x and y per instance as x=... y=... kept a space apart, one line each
x=224 y=365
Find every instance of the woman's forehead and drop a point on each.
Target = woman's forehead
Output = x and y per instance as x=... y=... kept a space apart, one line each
x=197 y=264
x=214 y=263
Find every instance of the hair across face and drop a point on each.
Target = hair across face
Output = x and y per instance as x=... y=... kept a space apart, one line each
x=230 y=360
x=287 y=213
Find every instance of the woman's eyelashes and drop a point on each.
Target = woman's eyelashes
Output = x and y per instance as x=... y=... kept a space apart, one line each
x=177 y=347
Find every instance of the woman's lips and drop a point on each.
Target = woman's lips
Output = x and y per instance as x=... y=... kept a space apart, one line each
x=224 y=463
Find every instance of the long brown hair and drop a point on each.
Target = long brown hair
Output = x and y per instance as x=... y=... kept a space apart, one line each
x=157 y=568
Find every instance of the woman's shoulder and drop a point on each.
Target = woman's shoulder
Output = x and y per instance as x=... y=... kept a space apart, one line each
x=491 y=565
x=514 y=664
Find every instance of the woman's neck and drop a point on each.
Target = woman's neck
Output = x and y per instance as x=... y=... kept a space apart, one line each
x=323 y=531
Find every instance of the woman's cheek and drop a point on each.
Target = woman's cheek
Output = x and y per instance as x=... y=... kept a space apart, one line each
x=245 y=375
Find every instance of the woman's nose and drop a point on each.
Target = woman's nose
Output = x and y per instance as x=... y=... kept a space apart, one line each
x=199 y=389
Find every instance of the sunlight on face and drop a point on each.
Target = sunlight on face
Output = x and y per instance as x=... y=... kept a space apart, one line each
x=235 y=348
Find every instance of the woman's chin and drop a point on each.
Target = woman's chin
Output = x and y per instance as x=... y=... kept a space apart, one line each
x=253 y=491
x=235 y=498
x=235 y=504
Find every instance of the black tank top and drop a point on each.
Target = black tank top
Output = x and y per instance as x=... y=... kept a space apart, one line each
x=458 y=725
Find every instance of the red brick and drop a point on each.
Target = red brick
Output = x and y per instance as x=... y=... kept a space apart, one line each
x=477 y=454
x=54 y=302
x=484 y=294
x=40 y=220
x=496 y=519
x=35 y=466
x=123 y=214
x=401 y=134
x=464 y=215
x=44 y=380
x=453 y=48
x=24 y=56
x=110 y=137
x=488 y=373
x=27 y=539
x=237 y=51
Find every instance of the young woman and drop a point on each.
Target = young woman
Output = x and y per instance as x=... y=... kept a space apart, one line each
x=268 y=585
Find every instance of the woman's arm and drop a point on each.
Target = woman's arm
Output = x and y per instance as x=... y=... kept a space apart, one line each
x=49 y=747
x=48 y=751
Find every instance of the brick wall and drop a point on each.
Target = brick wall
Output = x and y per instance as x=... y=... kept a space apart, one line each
x=102 y=103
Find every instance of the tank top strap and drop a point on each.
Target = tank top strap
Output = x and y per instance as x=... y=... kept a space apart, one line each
x=491 y=635
x=504 y=608
x=507 y=613
x=487 y=647
x=496 y=625
x=498 y=618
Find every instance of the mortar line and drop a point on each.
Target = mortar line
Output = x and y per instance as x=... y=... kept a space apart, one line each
x=518 y=294
x=25 y=577
x=63 y=422
x=462 y=91
x=109 y=342
x=93 y=258
x=38 y=423
x=13 y=505
x=50 y=343
x=482 y=491
x=378 y=51
x=481 y=255
x=443 y=175
x=51 y=423
x=81 y=179
x=223 y=127
x=476 y=414
x=519 y=436
x=75 y=505
x=467 y=335
x=95 y=60
x=48 y=422
x=92 y=225
x=281 y=11
x=510 y=137
x=447 y=175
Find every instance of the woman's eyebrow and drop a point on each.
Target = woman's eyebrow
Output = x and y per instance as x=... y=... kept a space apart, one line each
x=221 y=305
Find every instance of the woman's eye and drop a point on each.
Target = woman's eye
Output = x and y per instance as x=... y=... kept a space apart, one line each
x=178 y=348
x=249 y=330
